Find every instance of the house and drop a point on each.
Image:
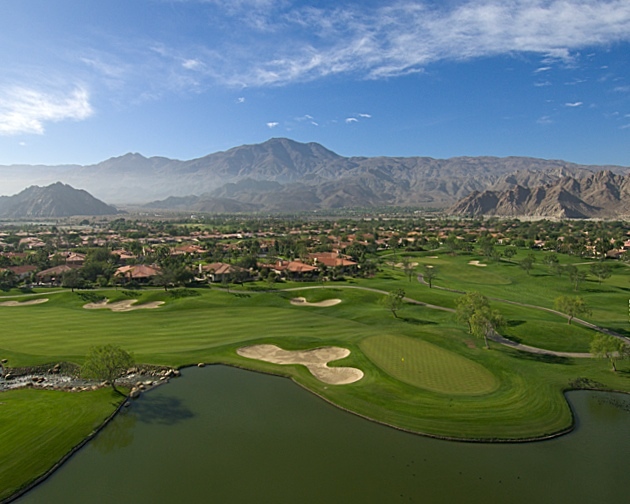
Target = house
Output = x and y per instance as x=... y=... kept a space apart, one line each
x=296 y=270
x=138 y=272
x=53 y=276
x=219 y=271
x=24 y=271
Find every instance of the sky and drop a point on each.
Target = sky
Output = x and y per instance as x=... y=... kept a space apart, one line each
x=83 y=81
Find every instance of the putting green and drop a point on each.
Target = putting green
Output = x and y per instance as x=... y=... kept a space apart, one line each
x=427 y=366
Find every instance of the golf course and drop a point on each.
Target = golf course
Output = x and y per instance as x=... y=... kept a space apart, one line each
x=417 y=368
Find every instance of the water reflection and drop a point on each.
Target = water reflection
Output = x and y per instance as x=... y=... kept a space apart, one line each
x=226 y=435
x=117 y=434
x=162 y=410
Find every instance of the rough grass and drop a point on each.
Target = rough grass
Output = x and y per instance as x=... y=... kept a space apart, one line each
x=427 y=366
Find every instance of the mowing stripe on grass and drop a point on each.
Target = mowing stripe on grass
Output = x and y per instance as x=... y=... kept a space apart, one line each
x=427 y=366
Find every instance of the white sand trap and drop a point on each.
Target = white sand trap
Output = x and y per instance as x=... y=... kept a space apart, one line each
x=433 y=257
x=122 y=306
x=477 y=263
x=401 y=265
x=316 y=360
x=24 y=303
x=300 y=301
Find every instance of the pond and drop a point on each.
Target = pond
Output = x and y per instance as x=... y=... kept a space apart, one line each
x=232 y=436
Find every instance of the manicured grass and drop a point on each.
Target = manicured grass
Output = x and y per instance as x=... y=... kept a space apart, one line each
x=463 y=392
x=38 y=427
x=427 y=366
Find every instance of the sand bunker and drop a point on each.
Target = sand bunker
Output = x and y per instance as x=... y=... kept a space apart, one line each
x=300 y=301
x=316 y=360
x=433 y=257
x=477 y=263
x=24 y=303
x=122 y=306
x=401 y=265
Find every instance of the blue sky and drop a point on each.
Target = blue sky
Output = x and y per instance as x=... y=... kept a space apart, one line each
x=86 y=80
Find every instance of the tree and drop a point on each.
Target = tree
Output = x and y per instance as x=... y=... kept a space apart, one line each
x=394 y=301
x=72 y=279
x=609 y=347
x=429 y=274
x=468 y=305
x=510 y=251
x=572 y=306
x=484 y=322
x=551 y=260
x=601 y=271
x=408 y=267
x=106 y=363
x=528 y=262
x=576 y=276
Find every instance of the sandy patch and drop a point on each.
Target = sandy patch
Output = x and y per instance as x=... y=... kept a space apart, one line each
x=477 y=263
x=316 y=360
x=24 y=303
x=401 y=265
x=300 y=301
x=122 y=306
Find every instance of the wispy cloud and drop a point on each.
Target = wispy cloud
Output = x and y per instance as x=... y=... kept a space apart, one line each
x=272 y=124
x=544 y=120
x=27 y=110
x=350 y=120
x=409 y=35
x=542 y=69
x=366 y=116
x=574 y=104
x=240 y=99
x=622 y=89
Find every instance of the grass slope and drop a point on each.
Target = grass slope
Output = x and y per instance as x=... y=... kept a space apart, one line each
x=38 y=427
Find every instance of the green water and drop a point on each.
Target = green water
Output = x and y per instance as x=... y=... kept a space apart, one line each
x=226 y=435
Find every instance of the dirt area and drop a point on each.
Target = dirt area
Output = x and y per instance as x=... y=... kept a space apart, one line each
x=24 y=303
x=316 y=360
x=300 y=301
x=122 y=306
x=477 y=263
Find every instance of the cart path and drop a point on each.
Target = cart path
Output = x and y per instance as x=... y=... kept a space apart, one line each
x=496 y=337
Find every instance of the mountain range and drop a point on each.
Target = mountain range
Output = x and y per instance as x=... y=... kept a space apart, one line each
x=282 y=175
x=599 y=195
x=55 y=200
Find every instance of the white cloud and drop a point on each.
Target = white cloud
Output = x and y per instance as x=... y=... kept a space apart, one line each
x=367 y=116
x=350 y=120
x=542 y=69
x=542 y=83
x=240 y=99
x=407 y=36
x=272 y=124
x=544 y=120
x=574 y=104
x=192 y=64
x=25 y=110
x=622 y=89
x=625 y=126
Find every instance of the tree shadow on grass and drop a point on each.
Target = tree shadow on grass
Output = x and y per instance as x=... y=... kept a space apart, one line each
x=544 y=358
x=162 y=410
x=515 y=323
x=416 y=321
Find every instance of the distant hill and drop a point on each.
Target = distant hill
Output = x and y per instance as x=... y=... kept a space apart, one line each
x=598 y=195
x=284 y=175
x=55 y=200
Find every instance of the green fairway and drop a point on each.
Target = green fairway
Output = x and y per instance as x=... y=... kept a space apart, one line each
x=427 y=366
x=38 y=427
x=448 y=385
